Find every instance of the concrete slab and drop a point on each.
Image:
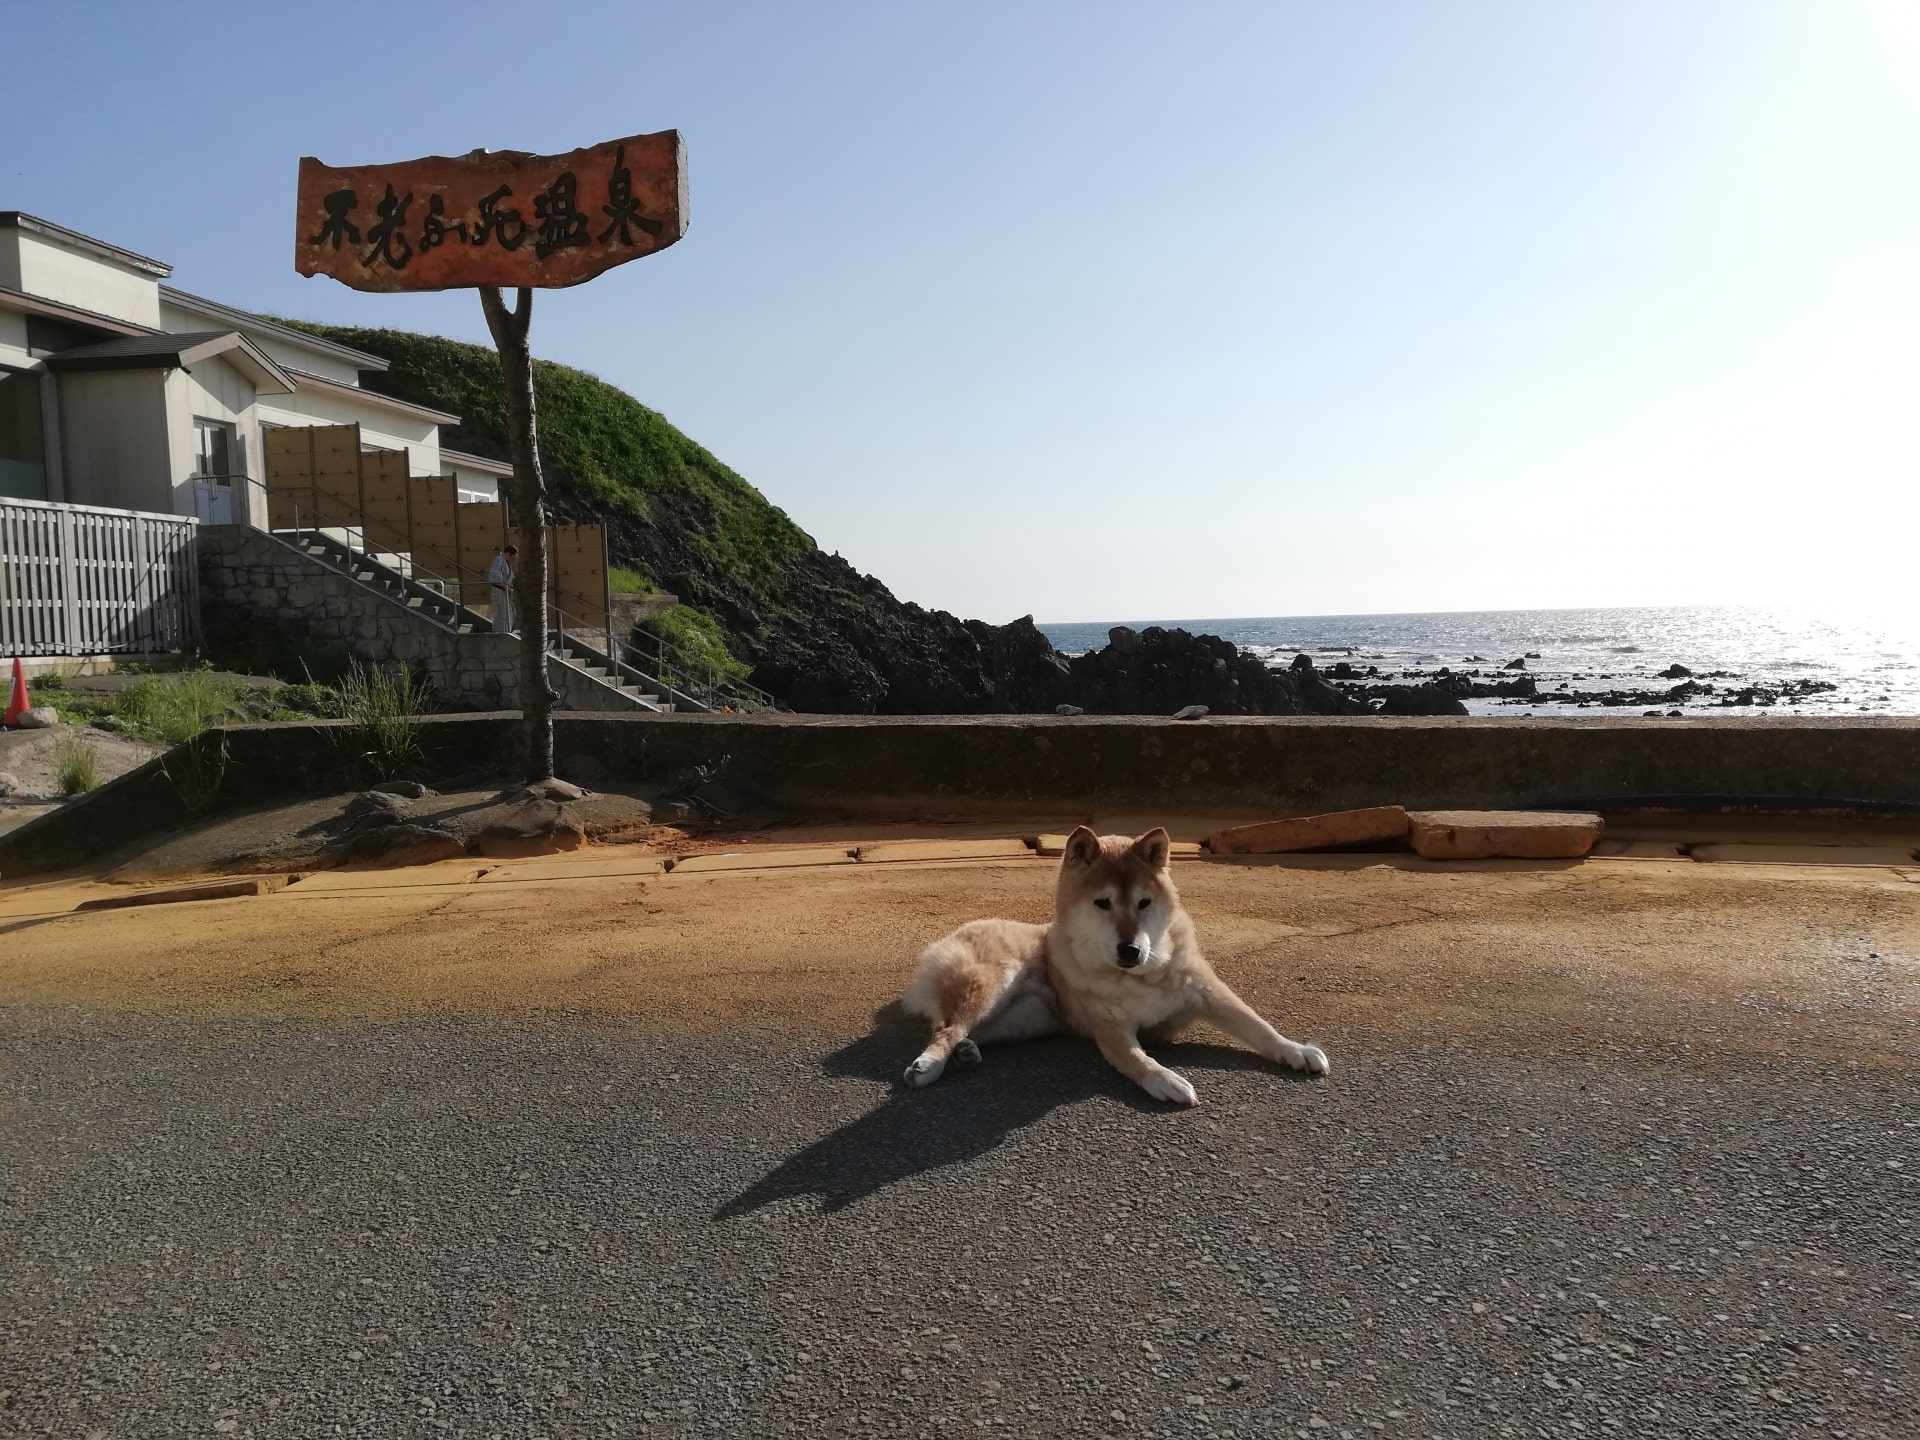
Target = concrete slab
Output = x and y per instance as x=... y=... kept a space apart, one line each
x=760 y=860
x=582 y=865
x=1639 y=850
x=890 y=850
x=1312 y=832
x=1503 y=834
x=1803 y=854
x=179 y=894
x=368 y=877
x=1055 y=846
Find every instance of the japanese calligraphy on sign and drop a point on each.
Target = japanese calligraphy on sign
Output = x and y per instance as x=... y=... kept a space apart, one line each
x=494 y=217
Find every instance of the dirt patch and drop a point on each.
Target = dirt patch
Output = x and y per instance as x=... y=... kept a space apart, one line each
x=31 y=757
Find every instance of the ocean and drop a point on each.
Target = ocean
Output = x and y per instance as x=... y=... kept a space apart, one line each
x=1873 y=664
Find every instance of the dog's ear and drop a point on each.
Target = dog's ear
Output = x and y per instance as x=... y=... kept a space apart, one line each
x=1154 y=847
x=1083 y=847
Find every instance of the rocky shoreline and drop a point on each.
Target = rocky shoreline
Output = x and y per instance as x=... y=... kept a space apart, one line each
x=1512 y=684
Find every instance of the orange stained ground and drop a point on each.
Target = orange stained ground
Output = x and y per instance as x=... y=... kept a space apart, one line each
x=1628 y=956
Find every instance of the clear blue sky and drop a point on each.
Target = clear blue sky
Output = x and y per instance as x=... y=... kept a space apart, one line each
x=1133 y=311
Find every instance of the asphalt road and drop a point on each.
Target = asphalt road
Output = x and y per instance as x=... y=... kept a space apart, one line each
x=588 y=1228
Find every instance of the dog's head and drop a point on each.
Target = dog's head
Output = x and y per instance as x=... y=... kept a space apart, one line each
x=1115 y=898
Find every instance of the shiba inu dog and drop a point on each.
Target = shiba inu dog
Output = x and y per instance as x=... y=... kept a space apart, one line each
x=1118 y=964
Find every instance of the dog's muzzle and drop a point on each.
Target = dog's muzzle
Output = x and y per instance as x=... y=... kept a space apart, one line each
x=1127 y=955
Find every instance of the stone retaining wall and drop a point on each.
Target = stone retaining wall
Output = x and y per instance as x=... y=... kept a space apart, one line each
x=253 y=585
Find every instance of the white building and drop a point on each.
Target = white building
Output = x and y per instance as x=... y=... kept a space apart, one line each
x=118 y=390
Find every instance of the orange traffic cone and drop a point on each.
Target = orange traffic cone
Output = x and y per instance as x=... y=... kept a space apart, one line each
x=19 y=702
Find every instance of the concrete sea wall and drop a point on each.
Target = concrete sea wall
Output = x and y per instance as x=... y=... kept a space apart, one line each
x=956 y=763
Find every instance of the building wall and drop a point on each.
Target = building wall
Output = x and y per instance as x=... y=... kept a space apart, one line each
x=115 y=442
x=40 y=267
x=13 y=338
x=379 y=426
x=214 y=390
x=472 y=485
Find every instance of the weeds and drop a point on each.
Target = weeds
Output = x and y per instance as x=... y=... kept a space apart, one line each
x=75 y=762
x=175 y=708
x=197 y=770
x=306 y=701
x=383 y=710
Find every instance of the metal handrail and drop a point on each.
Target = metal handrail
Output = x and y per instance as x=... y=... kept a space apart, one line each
x=721 y=692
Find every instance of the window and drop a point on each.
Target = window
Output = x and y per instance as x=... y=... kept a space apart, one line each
x=23 y=460
x=214 y=450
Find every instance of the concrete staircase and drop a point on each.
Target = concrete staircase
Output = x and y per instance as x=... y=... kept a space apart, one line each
x=620 y=686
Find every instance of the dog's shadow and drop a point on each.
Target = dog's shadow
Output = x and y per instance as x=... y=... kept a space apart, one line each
x=962 y=1116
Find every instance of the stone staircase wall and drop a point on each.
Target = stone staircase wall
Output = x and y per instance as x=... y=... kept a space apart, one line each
x=254 y=585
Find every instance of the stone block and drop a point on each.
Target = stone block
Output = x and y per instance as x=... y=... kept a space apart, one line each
x=1375 y=824
x=1503 y=834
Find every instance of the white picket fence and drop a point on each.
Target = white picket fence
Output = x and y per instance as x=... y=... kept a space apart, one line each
x=80 y=580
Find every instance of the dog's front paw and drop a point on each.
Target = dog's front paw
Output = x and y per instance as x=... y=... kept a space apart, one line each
x=924 y=1070
x=1164 y=1084
x=1312 y=1059
x=966 y=1054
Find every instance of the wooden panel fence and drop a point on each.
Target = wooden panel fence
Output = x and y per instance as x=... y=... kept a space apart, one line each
x=81 y=580
x=322 y=476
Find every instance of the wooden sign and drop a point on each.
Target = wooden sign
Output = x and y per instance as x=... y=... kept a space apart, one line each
x=493 y=217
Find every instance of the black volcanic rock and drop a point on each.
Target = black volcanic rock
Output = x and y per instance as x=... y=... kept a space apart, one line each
x=1156 y=671
x=1416 y=700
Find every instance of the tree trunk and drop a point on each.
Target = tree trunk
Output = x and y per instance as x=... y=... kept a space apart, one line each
x=530 y=520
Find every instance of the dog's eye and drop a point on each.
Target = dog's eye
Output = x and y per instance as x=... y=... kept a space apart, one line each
x=1104 y=903
x=1144 y=902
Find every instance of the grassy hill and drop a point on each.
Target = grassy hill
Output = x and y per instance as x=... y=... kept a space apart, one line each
x=816 y=632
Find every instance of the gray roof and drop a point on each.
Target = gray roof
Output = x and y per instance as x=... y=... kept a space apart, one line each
x=359 y=359
x=371 y=397
x=476 y=462
x=175 y=352
x=20 y=220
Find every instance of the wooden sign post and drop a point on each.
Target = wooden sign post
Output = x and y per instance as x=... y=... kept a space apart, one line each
x=492 y=219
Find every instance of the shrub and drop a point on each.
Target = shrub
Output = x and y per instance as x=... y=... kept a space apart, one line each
x=623 y=580
x=75 y=762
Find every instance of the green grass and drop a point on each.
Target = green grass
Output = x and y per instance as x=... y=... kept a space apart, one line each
x=76 y=764
x=174 y=709
x=699 y=637
x=623 y=580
